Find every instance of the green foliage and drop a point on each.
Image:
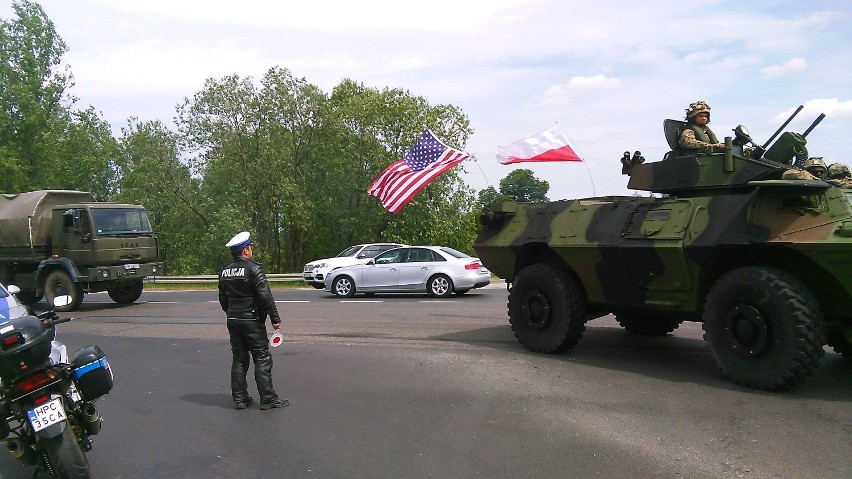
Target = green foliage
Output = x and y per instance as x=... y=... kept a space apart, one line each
x=522 y=186
x=276 y=156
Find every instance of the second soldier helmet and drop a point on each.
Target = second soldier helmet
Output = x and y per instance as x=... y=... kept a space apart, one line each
x=697 y=107
x=839 y=170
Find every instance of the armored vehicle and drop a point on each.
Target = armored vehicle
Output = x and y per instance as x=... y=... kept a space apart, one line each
x=763 y=262
x=59 y=242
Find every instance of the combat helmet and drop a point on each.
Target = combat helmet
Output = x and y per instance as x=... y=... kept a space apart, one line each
x=815 y=166
x=839 y=170
x=697 y=107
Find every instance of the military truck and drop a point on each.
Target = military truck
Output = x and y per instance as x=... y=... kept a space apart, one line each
x=763 y=262
x=58 y=242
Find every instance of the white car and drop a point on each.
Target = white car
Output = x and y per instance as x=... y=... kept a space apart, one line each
x=10 y=308
x=436 y=270
x=316 y=271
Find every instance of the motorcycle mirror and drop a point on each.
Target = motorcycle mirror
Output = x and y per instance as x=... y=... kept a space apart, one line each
x=60 y=301
x=741 y=136
x=12 y=289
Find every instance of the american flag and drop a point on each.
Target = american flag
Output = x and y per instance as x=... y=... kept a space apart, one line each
x=400 y=182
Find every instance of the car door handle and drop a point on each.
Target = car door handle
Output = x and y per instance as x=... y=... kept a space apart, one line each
x=393 y=269
x=424 y=267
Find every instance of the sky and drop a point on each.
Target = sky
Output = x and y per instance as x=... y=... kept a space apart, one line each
x=607 y=72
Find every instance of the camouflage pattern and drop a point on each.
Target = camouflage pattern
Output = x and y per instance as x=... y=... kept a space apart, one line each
x=688 y=140
x=697 y=107
x=763 y=261
x=838 y=171
x=816 y=167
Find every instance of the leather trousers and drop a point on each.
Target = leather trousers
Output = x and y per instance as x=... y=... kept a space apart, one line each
x=249 y=337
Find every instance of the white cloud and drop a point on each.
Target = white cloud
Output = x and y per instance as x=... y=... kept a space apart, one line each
x=793 y=65
x=597 y=82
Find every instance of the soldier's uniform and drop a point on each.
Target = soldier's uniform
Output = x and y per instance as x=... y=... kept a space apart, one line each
x=839 y=175
x=697 y=137
x=245 y=297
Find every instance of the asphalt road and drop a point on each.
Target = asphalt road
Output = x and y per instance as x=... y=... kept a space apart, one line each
x=407 y=386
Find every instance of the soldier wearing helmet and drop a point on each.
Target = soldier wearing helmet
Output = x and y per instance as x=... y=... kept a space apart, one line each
x=839 y=175
x=816 y=167
x=696 y=135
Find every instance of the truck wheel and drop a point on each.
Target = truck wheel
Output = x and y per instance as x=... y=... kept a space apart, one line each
x=126 y=294
x=763 y=328
x=647 y=326
x=547 y=309
x=58 y=283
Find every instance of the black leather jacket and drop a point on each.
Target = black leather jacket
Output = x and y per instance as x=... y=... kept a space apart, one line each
x=244 y=292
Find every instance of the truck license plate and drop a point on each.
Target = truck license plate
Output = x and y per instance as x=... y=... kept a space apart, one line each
x=131 y=266
x=47 y=414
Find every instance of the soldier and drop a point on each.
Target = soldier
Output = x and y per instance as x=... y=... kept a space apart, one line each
x=816 y=167
x=245 y=297
x=839 y=175
x=696 y=135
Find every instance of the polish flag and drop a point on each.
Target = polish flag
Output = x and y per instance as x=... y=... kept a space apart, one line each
x=549 y=145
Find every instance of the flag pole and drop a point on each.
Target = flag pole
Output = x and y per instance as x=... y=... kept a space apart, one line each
x=476 y=161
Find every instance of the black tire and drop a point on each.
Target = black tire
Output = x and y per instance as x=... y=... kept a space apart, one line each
x=58 y=283
x=65 y=457
x=439 y=286
x=647 y=326
x=547 y=309
x=343 y=286
x=763 y=328
x=126 y=294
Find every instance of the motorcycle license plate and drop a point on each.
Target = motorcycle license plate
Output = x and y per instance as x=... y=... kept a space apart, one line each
x=47 y=414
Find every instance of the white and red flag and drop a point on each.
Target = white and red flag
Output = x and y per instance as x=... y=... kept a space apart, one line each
x=549 y=145
x=400 y=182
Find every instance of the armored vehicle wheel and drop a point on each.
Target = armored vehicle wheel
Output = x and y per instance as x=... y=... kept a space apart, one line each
x=647 y=326
x=126 y=294
x=763 y=328
x=440 y=286
x=58 y=283
x=343 y=286
x=546 y=309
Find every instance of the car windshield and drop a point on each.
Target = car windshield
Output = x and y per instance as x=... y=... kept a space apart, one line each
x=350 y=251
x=454 y=253
x=3 y=292
x=121 y=221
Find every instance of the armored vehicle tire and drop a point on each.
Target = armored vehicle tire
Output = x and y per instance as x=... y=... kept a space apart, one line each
x=763 y=328
x=343 y=286
x=439 y=286
x=126 y=294
x=647 y=326
x=547 y=309
x=58 y=283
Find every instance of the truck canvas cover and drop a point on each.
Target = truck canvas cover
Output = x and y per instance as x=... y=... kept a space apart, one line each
x=25 y=217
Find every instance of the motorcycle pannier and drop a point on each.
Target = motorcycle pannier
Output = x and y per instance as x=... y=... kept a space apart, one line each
x=92 y=373
x=24 y=345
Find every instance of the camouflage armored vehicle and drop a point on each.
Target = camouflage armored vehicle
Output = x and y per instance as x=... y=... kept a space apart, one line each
x=764 y=263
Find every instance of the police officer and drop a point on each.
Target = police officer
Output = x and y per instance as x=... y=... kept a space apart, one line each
x=696 y=135
x=245 y=297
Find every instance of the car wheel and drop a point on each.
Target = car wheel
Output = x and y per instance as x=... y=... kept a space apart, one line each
x=763 y=327
x=440 y=286
x=547 y=309
x=343 y=286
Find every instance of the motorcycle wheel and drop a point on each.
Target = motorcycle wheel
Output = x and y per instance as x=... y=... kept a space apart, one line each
x=65 y=457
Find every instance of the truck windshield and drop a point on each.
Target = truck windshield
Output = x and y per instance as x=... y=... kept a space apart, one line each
x=121 y=221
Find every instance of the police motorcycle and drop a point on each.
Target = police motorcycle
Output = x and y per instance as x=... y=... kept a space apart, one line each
x=47 y=411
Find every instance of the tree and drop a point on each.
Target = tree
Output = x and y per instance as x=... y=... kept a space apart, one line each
x=522 y=186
